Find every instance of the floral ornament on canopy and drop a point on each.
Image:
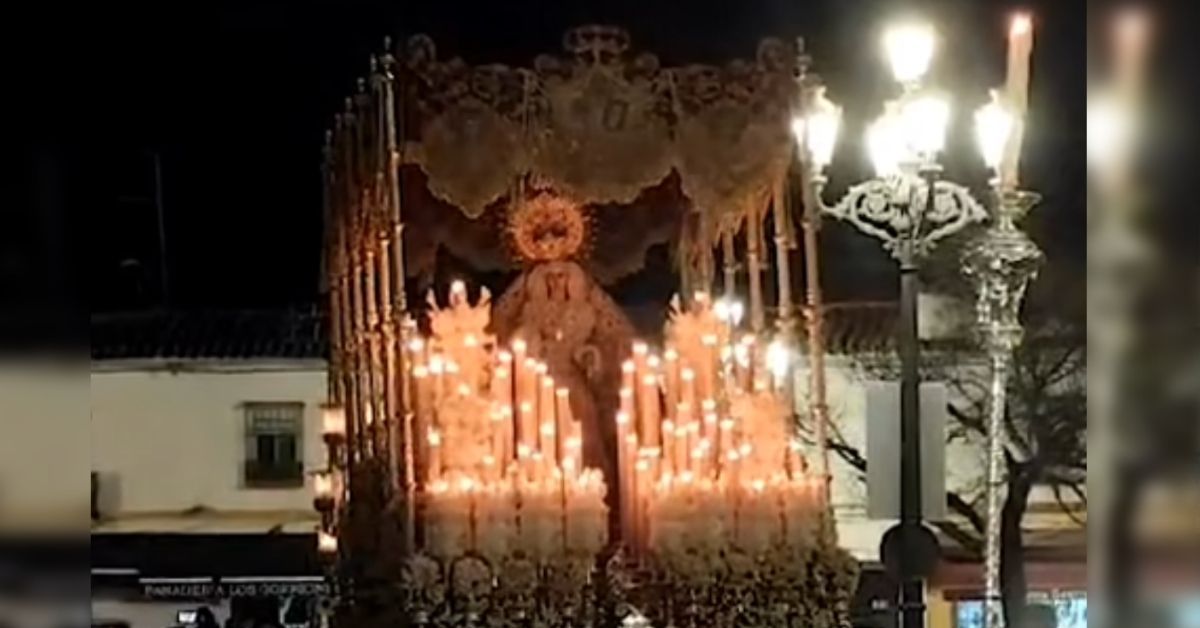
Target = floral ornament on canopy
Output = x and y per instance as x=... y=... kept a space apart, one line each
x=471 y=144
x=732 y=138
x=605 y=135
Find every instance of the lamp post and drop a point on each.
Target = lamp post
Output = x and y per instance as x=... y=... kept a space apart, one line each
x=909 y=209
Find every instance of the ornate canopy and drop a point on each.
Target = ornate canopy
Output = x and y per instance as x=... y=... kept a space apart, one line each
x=657 y=154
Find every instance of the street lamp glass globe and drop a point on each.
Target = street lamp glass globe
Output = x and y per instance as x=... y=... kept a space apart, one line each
x=924 y=122
x=993 y=126
x=821 y=130
x=885 y=146
x=909 y=49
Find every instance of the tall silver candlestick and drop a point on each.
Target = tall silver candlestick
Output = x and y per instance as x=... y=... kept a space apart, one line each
x=1002 y=262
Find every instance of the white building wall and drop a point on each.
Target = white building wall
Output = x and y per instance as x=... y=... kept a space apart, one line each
x=170 y=440
x=43 y=447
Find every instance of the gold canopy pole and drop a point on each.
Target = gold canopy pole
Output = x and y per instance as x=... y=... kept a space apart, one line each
x=729 y=264
x=349 y=278
x=393 y=134
x=754 y=269
x=783 y=245
x=366 y=208
x=332 y=272
x=385 y=328
x=814 y=314
x=355 y=412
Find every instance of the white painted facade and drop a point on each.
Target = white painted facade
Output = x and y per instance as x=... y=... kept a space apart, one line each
x=170 y=437
x=43 y=447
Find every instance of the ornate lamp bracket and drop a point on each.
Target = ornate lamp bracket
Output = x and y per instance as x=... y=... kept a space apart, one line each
x=897 y=212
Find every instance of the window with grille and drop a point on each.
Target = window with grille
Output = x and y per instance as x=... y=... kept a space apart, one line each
x=274 y=439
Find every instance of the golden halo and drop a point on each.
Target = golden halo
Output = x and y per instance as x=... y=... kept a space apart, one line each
x=547 y=227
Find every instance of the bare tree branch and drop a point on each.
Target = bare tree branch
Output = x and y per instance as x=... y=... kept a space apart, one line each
x=966 y=511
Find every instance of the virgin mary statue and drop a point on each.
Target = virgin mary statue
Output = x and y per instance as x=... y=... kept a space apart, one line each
x=566 y=318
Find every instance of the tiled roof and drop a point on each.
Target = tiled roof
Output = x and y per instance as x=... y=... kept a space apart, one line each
x=197 y=334
x=859 y=327
x=856 y=327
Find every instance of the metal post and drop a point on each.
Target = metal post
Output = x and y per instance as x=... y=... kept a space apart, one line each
x=912 y=588
x=993 y=596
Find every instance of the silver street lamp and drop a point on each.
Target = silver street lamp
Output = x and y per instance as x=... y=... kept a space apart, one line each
x=909 y=208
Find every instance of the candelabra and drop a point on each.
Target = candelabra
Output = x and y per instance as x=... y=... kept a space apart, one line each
x=910 y=209
x=1002 y=262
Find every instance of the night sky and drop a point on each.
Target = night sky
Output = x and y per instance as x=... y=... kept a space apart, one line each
x=233 y=98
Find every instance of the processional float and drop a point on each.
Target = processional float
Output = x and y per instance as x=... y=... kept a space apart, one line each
x=529 y=461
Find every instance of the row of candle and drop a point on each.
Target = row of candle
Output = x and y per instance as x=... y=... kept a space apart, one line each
x=704 y=434
x=689 y=517
x=528 y=420
x=499 y=451
x=538 y=517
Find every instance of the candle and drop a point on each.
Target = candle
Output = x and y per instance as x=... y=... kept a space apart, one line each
x=668 y=443
x=640 y=352
x=1020 y=44
x=435 y=455
x=526 y=426
x=649 y=409
x=563 y=418
x=454 y=377
x=709 y=430
x=725 y=445
x=697 y=466
x=640 y=501
x=422 y=407
x=520 y=373
x=547 y=421
x=625 y=396
x=693 y=444
x=524 y=454
x=688 y=377
x=499 y=449
x=625 y=475
x=708 y=373
x=680 y=452
x=627 y=374
x=437 y=371
x=501 y=389
x=548 y=450
x=671 y=380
